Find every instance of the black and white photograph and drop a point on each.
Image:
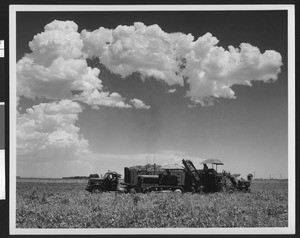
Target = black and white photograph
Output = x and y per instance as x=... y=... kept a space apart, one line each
x=157 y=119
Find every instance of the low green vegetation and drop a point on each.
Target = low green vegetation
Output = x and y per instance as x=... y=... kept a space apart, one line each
x=51 y=204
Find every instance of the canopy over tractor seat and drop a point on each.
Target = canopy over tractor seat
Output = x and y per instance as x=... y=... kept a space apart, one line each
x=212 y=161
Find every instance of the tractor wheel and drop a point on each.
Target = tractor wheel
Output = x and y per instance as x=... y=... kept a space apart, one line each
x=200 y=190
x=227 y=185
x=246 y=190
x=97 y=190
x=132 y=191
x=178 y=190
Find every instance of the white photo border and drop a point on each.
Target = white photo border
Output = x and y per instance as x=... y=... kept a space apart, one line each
x=291 y=229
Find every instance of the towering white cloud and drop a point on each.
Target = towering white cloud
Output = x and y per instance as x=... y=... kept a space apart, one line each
x=57 y=69
x=210 y=70
x=48 y=131
x=57 y=81
x=215 y=73
x=127 y=49
x=59 y=39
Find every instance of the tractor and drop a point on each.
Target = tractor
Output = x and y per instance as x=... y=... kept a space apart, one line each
x=171 y=178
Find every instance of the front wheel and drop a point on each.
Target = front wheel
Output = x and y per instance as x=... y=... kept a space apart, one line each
x=132 y=191
x=178 y=190
x=97 y=190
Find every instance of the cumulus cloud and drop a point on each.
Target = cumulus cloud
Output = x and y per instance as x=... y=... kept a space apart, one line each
x=139 y=104
x=215 y=73
x=57 y=69
x=210 y=70
x=59 y=39
x=137 y=48
x=191 y=105
x=57 y=66
x=57 y=81
x=172 y=90
x=97 y=98
x=48 y=131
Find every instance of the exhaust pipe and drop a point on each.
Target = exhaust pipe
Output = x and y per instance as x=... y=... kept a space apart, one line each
x=250 y=177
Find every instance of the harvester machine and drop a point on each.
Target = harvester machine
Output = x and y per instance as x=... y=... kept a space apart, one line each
x=209 y=180
x=192 y=171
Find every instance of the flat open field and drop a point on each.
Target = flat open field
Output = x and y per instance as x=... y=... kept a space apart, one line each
x=269 y=184
x=55 y=203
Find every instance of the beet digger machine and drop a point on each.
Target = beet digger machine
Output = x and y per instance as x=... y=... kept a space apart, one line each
x=209 y=180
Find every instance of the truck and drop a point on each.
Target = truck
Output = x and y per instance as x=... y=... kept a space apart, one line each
x=109 y=182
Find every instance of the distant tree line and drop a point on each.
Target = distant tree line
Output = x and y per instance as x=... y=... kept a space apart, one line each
x=76 y=177
x=94 y=176
x=83 y=177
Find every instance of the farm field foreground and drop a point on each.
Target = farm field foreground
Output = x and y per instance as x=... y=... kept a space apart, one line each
x=43 y=203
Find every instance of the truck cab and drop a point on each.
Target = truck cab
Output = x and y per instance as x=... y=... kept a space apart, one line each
x=109 y=182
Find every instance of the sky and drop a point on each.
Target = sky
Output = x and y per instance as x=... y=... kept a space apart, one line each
x=99 y=91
